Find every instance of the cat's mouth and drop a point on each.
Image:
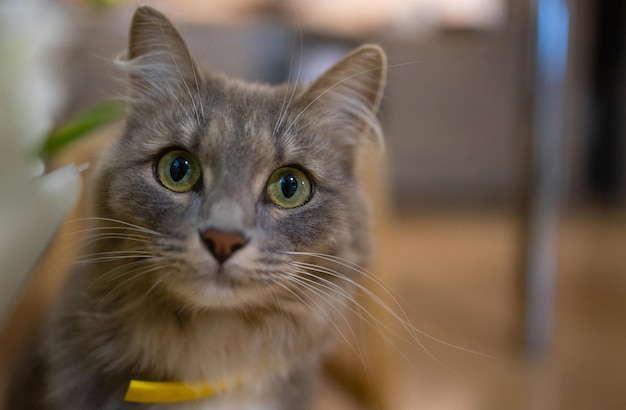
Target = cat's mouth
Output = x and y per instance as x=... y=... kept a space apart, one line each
x=222 y=278
x=218 y=287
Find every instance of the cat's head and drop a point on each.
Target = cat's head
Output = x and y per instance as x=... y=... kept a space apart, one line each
x=236 y=186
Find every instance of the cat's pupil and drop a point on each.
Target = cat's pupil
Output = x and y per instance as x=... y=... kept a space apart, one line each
x=289 y=185
x=179 y=168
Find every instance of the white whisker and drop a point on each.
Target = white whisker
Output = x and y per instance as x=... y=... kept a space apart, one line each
x=370 y=319
x=321 y=310
x=147 y=270
x=118 y=221
x=123 y=237
x=285 y=108
x=108 y=275
x=403 y=321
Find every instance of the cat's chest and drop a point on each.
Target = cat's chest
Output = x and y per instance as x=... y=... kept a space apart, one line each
x=204 y=349
x=217 y=348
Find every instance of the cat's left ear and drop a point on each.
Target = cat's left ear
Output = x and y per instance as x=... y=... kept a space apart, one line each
x=349 y=93
x=158 y=58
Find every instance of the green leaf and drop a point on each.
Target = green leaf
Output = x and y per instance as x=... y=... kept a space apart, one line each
x=80 y=126
x=103 y=3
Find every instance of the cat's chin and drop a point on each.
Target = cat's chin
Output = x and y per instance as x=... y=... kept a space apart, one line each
x=216 y=294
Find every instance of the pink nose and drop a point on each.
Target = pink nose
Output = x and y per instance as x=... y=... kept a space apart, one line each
x=222 y=244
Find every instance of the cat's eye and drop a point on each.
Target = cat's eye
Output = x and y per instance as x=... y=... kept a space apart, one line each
x=289 y=187
x=178 y=170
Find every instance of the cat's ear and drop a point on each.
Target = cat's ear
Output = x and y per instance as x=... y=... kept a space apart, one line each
x=158 y=58
x=349 y=93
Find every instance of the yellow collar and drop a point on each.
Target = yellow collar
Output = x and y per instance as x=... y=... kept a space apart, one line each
x=140 y=391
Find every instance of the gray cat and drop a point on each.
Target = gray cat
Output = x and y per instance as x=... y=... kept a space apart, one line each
x=226 y=222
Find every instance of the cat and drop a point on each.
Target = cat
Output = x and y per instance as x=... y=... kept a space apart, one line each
x=226 y=223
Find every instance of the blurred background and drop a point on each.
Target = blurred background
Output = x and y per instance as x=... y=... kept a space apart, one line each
x=499 y=203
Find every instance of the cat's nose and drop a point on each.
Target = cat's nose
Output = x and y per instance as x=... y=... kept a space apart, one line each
x=222 y=244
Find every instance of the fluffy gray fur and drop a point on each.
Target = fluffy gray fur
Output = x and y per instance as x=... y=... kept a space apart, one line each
x=149 y=301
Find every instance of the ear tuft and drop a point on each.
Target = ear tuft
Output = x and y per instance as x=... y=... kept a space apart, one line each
x=158 y=59
x=352 y=87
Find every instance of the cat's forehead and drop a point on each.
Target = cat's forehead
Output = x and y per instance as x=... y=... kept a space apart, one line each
x=239 y=121
x=240 y=109
x=243 y=121
x=221 y=114
x=237 y=142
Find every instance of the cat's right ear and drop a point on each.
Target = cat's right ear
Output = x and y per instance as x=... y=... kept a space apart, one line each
x=158 y=59
x=347 y=96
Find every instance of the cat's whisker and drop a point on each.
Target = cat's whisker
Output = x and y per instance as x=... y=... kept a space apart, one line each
x=285 y=108
x=117 y=221
x=129 y=233
x=120 y=252
x=108 y=275
x=104 y=229
x=292 y=292
x=110 y=258
x=406 y=324
x=370 y=319
x=107 y=237
x=327 y=284
x=125 y=232
x=392 y=294
x=396 y=298
x=108 y=278
x=146 y=271
x=275 y=298
x=156 y=284
x=320 y=309
x=195 y=79
x=283 y=105
x=361 y=271
x=125 y=251
x=344 y=300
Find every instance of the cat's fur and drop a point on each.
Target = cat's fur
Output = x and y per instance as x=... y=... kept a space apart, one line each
x=173 y=314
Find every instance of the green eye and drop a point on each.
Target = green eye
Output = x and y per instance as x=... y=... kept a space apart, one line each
x=178 y=170
x=289 y=187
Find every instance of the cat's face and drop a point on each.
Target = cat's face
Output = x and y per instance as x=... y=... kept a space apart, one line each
x=236 y=180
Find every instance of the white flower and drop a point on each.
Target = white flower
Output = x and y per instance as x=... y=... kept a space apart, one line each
x=31 y=208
